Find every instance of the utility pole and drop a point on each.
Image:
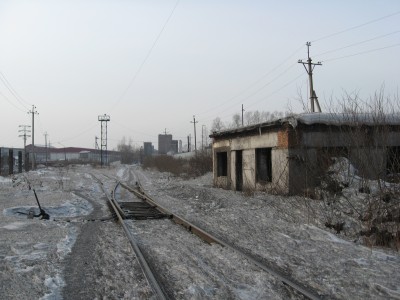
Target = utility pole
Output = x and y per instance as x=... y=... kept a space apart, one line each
x=24 y=135
x=194 y=125
x=33 y=112
x=242 y=114
x=309 y=69
x=45 y=142
x=202 y=136
x=103 y=152
x=96 y=147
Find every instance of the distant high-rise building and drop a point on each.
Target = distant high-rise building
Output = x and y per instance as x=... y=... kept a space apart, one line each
x=147 y=149
x=164 y=143
x=174 y=146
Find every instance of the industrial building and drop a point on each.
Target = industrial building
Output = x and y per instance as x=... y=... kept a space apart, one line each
x=148 y=149
x=289 y=155
x=164 y=143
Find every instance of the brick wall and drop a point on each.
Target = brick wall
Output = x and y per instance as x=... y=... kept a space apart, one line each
x=283 y=138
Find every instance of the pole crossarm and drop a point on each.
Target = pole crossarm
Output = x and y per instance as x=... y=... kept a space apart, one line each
x=309 y=67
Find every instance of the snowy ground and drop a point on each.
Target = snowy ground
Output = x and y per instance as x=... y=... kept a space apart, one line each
x=287 y=232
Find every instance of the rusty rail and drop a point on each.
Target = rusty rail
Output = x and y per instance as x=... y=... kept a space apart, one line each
x=209 y=238
x=152 y=281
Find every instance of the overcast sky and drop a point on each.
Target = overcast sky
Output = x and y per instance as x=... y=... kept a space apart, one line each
x=152 y=65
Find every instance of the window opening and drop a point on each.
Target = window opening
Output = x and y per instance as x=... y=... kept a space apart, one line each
x=222 y=164
x=263 y=165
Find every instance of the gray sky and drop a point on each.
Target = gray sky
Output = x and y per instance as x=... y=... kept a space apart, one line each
x=152 y=65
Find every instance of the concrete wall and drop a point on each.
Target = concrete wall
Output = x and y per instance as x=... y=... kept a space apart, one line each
x=295 y=155
x=248 y=146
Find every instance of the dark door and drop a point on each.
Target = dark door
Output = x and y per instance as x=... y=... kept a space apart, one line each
x=239 y=170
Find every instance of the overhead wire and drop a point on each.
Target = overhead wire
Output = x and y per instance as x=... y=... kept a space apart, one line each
x=79 y=134
x=364 y=52
x=146 y=57
x=356 y=27
x=265 y=97
x=133 y=78
x=261 y=88
x=11 y=103
x=253 y=83
x=277 y=90
x=357 y=43
x=8 y=85
x=126 y=127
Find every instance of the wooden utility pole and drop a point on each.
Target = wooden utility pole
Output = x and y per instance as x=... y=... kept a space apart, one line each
x=194 y=125
x=309 y=69
x=242 y=114
x=33 y=112
x=45 y=143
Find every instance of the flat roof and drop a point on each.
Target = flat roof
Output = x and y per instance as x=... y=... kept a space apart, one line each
x=332 y=119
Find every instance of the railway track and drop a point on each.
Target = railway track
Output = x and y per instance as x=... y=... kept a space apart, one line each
x=121 y=217
x=146 y=208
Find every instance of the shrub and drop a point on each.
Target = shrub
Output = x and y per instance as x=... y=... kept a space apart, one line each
x=195 y=166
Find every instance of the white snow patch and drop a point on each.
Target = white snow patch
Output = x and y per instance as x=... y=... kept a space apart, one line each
x=15 y=225
x=55 y=284
x=5 y=179
x=120 y=173
x=65 y=245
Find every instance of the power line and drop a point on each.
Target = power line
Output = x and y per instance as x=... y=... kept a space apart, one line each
x=277 y=90
x=364 y=52
x=255 y=82
x=263 y=98
x=260 y=89
x=79 y=134
x=357 y=26
x=12 y=90
x=11 y=103
x=358 y=43
x=146 y=57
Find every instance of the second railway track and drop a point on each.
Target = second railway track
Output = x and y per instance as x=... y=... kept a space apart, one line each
x=148 y=209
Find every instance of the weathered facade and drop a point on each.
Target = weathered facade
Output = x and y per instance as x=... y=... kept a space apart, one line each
x=289 y=155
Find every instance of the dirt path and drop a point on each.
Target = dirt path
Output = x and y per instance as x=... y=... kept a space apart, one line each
x=80 y=266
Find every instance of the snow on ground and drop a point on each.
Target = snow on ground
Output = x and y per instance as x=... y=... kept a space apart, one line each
x=287 y=232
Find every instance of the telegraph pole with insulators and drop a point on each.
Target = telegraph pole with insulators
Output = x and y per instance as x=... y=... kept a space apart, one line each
x=309 y=66
x=33 y=112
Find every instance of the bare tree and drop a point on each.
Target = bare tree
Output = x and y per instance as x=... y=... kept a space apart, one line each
x=217 y=125
x=126 y=150
x=236 y=119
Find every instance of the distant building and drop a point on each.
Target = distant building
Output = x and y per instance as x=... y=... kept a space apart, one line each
x=174 y=146
x=164 y=143
x=148 y=149
x=70 y=154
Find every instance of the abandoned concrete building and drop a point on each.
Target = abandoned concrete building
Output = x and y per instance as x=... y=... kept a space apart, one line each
x=291 y=154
